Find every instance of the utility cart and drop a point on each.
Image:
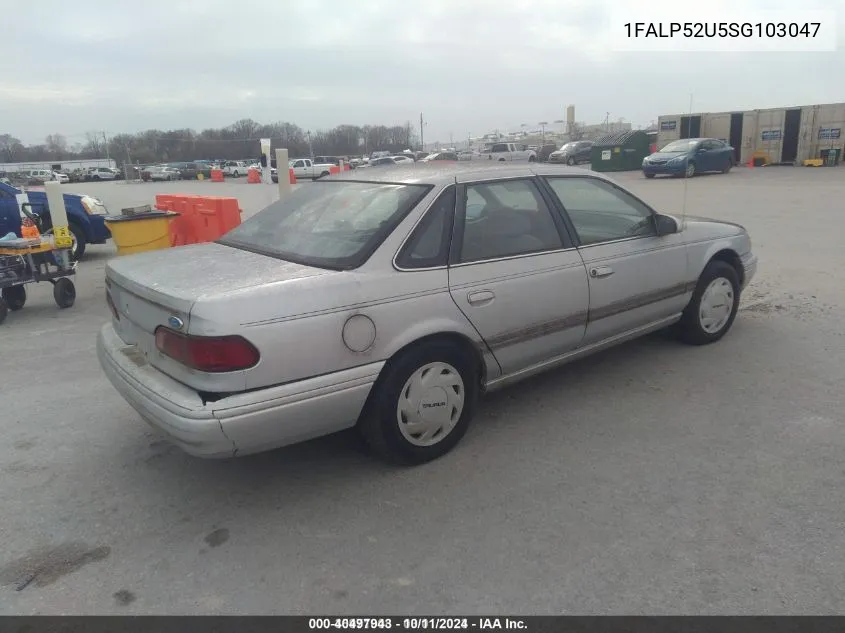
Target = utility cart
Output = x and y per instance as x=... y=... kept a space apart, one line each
x=32 y=260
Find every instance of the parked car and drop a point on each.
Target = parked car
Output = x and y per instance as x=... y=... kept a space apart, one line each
x=165 y=172
x=690 y=156
x=192 y=171
x=353 y=304
x=439 y=156
x=102 y=173
x=35 y=176
x=235 y=168
x=382 y=161
x=306 y=168
x=508 y=152
x=402 y=159
x=274 y=175
x=84 y=213
x=573 y=153
x=545 y=151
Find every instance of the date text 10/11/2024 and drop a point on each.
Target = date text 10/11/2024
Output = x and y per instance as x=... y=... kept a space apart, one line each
x=418 y=624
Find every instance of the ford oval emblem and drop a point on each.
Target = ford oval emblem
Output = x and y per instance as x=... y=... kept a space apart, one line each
x=175 y=322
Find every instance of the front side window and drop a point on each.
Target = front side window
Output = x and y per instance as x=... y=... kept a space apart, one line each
x=334 y=225
x=600 y=211
x=506 y=218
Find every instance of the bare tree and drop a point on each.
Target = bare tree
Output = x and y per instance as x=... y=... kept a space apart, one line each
x=9 y=146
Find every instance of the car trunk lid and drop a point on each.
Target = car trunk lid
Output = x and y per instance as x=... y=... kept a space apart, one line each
x=159 y=288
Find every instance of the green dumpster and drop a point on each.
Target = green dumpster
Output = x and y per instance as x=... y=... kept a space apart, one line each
x=620 y=151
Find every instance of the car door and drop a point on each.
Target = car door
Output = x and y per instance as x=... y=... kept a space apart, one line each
x=515 y=274
x=636 y=277
x=705 y=156
x=584 y=149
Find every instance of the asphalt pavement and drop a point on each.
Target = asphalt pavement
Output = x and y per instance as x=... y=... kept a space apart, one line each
x=654 y=478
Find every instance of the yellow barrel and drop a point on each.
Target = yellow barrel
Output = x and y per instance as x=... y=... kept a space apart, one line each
x=140 y=233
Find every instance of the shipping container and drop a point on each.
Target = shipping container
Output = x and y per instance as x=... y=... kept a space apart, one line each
x=781 y=135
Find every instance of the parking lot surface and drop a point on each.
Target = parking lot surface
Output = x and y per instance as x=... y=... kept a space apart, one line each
x=652 y=478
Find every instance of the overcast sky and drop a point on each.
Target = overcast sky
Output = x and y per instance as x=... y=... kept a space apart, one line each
x=471 y=66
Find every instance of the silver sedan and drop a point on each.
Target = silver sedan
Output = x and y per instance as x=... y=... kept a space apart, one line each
x=392 y=305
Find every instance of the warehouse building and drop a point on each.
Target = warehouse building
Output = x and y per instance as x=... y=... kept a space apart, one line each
x=782 y=135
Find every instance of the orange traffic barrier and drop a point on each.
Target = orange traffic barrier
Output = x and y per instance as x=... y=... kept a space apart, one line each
x=346 y=167
x=253 y=176
x=217 y=175
x=200 y=219
x=292 y=176
x=334 y=169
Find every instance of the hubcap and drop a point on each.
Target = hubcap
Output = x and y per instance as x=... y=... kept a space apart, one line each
x=690 y=170
x=716 y=305
x=430 y=404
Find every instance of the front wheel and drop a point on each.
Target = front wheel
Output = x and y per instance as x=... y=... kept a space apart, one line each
x=422 y=405
x=727 y=167
x=15 y=297
x=531 y=159
x=690 y=171
x=570 y=161
x=235 y=173
x=713 y=307
x=64 y=292
x=647 y=175
x=77 y=250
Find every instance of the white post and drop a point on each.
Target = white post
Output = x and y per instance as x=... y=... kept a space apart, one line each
x=341 y=165
x=283 y=172
x=265 y=152
x=58 y=214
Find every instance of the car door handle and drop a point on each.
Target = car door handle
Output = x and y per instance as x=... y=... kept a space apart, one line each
x=480 y=297
x=601 y=271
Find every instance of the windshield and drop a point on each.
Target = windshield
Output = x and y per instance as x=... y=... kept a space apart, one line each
x=684 y=145
x=566 y=146
x=333 y=225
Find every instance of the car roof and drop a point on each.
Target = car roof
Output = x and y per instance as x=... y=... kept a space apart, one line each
x=433 y=173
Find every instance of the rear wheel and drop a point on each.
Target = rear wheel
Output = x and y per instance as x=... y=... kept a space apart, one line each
x=713 y=307
x=531 y=159
x=727 y=166
x=647 y=175
x=15 y=297
x=422 y=405
x=64 y=292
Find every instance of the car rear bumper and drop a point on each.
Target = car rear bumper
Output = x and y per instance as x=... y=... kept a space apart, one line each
x=240 y=424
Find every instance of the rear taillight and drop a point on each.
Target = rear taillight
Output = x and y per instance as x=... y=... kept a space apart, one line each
x=112 y=307
x=212 y=354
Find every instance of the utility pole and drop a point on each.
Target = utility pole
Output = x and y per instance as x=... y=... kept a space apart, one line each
x=543 y=125
x=422 y=133
x=607 y=122
x=451 y=141
x=106 y=143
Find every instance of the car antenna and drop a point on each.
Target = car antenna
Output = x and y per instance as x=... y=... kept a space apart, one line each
x=686 y=178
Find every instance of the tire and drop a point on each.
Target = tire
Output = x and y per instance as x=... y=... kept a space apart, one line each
x=236 y=173
x=384 y=423
x=719 y=283
x=727 y=167
x=64 y=292
x=690 y=171
x=79 y=241
x=325 y=173
x=4 y=310
x=648 y=175
x=97 y=177
x=15 y=297
x=570 y=161
x=531 y=159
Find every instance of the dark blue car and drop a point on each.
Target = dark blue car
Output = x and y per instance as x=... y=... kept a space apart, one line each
x=690 y=156
x=84 y=213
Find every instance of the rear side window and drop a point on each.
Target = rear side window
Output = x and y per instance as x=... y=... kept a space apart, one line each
x=335 y=225
x=428 y=245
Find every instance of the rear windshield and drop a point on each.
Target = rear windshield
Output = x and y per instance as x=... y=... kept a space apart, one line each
x=334 y=225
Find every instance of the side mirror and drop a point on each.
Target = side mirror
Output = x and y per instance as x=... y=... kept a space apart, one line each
x=665 y=225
